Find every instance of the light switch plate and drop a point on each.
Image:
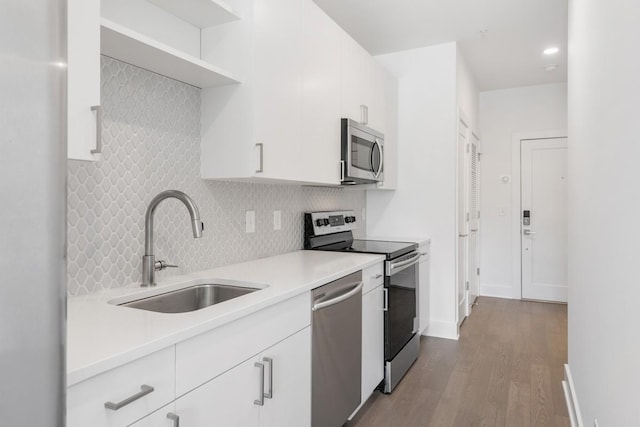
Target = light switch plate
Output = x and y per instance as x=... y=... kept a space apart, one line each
x=277 y=220
x=251 y=221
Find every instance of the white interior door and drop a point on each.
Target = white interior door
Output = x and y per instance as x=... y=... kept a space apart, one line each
x=544 y=219
x=474 y=224
x=463 y=221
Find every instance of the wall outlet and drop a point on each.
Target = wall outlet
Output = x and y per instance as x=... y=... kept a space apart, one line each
x=277 y=220
x=250 y=221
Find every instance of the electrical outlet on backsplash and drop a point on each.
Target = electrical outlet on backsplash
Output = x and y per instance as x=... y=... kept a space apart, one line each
x=151 y=136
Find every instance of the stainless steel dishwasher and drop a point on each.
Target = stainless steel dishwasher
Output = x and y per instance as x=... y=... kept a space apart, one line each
x=336 y=330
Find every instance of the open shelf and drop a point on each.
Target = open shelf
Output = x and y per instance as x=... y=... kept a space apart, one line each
x=200 y=13
x=134 y=48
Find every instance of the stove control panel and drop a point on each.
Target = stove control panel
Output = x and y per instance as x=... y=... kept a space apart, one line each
x=330 y=222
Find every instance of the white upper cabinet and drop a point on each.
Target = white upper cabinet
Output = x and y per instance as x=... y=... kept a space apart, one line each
x=321 y=95
x=277 y=82
x=390 y=105
x=282 y=123
x=363 y=81
x=83 y=88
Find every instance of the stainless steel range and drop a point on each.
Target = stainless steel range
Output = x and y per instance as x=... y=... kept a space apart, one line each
x=333 y=231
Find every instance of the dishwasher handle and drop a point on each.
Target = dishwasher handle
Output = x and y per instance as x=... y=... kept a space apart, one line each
x=338 y=299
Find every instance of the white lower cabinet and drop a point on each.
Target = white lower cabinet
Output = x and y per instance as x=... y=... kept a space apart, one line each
x=227 y=400
x=372 y=330
x=271 y=389
x=424 y=287
x=372 y=340
x=290 y=404
x=125 y=394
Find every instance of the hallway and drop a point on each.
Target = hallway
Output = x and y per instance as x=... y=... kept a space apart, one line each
x=506 y=370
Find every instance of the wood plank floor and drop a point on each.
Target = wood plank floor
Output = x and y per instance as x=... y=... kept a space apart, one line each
x=506 y=370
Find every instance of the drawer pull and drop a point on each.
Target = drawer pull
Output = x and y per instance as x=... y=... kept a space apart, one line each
x=144 y=390
x=377 y=276
x=175 y=418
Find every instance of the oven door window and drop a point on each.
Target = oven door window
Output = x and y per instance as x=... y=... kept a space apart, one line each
x=399 y=318
x=365 y=155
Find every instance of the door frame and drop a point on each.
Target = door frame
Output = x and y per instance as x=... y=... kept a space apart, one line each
x=516 y=238
x=461 y=119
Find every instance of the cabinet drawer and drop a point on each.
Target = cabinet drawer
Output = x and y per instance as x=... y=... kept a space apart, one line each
x=373 y=277
x=86 y=400
x=210 y=354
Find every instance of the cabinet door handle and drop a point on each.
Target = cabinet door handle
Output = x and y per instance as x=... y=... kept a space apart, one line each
x=98 y=111
x=269 y=394
x=260 y=401
x=260 y=145
x=144 y=390
x=175 y=418
x=386 y=299
x=364 y=114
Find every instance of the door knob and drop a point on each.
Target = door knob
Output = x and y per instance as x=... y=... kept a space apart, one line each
x=528 y=232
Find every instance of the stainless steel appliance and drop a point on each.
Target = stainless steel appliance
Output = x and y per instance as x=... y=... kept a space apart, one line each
x=32 y=219
x=336 y=361
x=362 y=154
x=333 y=231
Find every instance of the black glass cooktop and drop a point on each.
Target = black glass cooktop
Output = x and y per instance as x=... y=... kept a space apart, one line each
x=390 y=249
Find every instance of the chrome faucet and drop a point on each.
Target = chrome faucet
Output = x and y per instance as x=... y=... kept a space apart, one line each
x=149 y=263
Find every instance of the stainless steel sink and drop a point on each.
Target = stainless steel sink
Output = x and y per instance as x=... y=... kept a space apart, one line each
x=189 y=299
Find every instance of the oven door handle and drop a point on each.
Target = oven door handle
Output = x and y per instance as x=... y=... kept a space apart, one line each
x=338 y=299
x=395 y=267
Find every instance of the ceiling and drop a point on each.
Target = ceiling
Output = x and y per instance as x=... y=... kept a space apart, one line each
x=501 y=40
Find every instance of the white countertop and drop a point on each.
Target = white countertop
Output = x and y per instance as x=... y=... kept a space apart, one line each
x=102 y=336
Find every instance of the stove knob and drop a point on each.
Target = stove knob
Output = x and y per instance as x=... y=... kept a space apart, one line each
x=353 y=219
x=319 y=222
x=347 y=219
x=326 y=221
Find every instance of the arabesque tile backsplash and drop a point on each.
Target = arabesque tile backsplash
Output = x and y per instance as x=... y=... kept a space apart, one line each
x=151 y=137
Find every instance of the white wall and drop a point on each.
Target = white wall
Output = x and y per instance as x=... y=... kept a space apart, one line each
x=604 y=201
x=424 y=203
x=503 y=113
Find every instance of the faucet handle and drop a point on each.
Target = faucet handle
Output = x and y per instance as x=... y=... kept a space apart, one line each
x=161 y=265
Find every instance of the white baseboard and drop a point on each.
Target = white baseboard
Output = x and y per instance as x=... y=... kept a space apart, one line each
x=441 y=329
x=575 y=417
x=496 y=291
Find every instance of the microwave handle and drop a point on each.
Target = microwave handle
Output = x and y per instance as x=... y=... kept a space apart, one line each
x=379 y=171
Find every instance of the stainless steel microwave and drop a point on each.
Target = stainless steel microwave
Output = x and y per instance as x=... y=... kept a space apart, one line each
x=362 y=154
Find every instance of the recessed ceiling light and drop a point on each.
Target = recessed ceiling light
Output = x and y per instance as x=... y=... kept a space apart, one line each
x=551 y=51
